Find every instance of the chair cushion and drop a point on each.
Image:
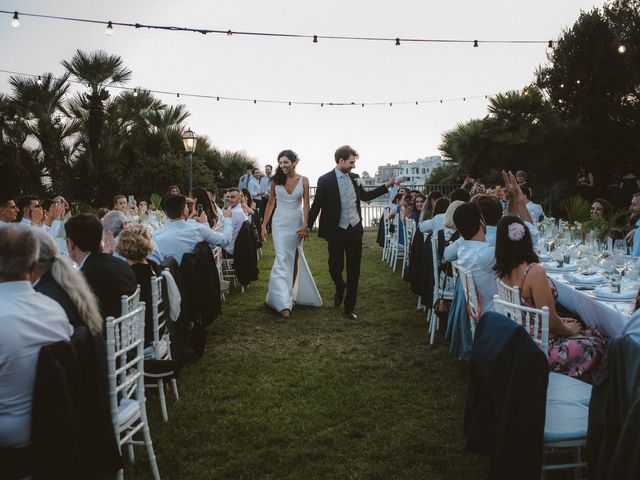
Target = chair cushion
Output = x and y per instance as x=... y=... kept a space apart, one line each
x=564 y=387
x=127 y=410
x=565 y=420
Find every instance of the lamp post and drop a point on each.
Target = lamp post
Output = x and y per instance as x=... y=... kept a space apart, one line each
x=189 y=139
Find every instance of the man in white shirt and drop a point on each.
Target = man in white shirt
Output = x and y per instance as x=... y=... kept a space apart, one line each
x=31 y=211
x=28 y=321
x=180 y=236
x=474 y=253
x=238 y=217
x=535 y=209
x=249 y=182
x=8 y=211
x=265 y=189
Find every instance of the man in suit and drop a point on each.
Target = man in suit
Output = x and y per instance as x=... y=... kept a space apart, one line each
x=108 y=277
x=338 y=196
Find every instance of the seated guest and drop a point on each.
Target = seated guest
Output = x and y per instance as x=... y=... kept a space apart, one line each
x=56 y=277
x=108 y=277
x=535 y=209
x=135 y=246
x=202 y=198
x=394 y=209
x=212 y=194
x=248 y=204
x=173 y=190
x=427 y=210
x=28 y=320
x=180 y=236
x=449 y=224
x=474 y=253
x=574 y=349
x=601 y=209
x=53 y=222
x=461 y=194
x=114 y=222
x=406 y=207
x=436 y=222
x=418 y=205
x=8 y=211
x=238 y=217
x=29 y=211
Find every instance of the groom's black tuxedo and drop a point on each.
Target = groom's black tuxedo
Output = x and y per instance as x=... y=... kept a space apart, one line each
x=342 y=242
x=327 y=199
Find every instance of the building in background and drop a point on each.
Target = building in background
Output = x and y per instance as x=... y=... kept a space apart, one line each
x=415 y=172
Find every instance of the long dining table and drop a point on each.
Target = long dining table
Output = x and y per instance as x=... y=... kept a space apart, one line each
x=610 y=316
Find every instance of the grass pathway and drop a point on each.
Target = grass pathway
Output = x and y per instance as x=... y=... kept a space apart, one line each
x=317 y=396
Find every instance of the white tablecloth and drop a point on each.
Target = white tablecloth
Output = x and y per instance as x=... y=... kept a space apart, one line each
x=611 y=317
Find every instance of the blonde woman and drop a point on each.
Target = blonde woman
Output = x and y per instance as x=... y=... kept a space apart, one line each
x=56 y=277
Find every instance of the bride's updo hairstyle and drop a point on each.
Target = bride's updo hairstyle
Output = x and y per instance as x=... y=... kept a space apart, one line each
x=279 y=178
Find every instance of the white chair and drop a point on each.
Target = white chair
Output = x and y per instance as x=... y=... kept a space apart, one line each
x=125 y=370
x=386 y=249
x=534 y=320
x=474 y=309
x=397 y=246
x=409 y=230
x=509 y=294
x=161 y=347
x=440 y=283
x=129 y=303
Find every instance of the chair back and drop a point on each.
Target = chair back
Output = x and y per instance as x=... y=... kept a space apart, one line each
x=159 y=315
x=534 y=320
x=395 y=221
x=508 y=294
x=129 y=303
x=125 y=359
x=474 y=309
x=409 y=231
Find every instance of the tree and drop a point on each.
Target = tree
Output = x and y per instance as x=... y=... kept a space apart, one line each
x=98 y=70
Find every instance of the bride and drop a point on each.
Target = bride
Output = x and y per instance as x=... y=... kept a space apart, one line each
x=290 y=281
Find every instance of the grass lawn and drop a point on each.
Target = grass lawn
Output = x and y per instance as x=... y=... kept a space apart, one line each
x=317 y=395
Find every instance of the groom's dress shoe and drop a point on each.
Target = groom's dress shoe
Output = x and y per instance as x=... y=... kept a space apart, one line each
x=339 y=296
x=351 y=315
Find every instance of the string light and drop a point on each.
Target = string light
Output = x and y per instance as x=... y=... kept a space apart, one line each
x=39 y=81
x=110 y=24
x=109 y=30
x=622 y=48
x=15 y=21
x=136 y=91
x=550 y=46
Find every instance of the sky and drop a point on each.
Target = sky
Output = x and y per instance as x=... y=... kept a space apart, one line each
x=299 y=70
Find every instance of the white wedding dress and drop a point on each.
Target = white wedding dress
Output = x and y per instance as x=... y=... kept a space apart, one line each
x=283 y=290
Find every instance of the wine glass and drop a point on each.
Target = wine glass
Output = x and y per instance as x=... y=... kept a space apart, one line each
x=620 y=247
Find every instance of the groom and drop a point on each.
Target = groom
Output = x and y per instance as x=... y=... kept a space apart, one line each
x=338 y=196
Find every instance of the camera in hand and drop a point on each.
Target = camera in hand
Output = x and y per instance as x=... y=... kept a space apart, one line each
x=200 y=209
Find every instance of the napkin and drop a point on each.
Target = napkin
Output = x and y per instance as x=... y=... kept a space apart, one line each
x=606 y=293
x=587 y=279
x=553 y=267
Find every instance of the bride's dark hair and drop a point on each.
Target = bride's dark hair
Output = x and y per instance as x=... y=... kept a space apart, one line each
x=279 y=178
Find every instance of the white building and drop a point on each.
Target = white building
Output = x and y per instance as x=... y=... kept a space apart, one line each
x=415 y=173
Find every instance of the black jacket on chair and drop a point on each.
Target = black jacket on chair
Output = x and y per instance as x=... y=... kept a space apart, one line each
x=207 y=284
x=613 y=436
x=327 y=199
x=109 y=278
x=506 y=400
x=245 y=256
x=72 y=435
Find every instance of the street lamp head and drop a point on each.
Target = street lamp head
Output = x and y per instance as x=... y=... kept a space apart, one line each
x=189 y=139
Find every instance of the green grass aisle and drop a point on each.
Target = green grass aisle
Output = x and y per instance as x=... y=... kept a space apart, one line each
x=316 y=395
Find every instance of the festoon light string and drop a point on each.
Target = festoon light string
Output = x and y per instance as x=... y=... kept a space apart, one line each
x=180 y=94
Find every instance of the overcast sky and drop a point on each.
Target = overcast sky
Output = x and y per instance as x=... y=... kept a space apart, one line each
x=298 y=70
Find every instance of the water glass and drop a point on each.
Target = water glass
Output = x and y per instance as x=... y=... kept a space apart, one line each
x=615 y=284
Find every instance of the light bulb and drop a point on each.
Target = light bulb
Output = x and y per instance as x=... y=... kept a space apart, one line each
x=15 y=21
x=39 y=81
x=109 y=30
x=135 y=92
x=397 y=42
x=550 y=47
x=622 y=48
x=475 y=43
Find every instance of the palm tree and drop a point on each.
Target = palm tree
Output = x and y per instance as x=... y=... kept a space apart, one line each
x=40 y=104
x=98 y=70
x=166 y=123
